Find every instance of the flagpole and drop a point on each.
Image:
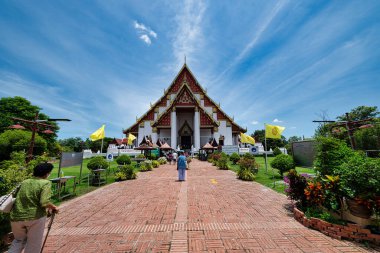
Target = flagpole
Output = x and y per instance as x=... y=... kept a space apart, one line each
x=101 y=147
x=274 y=182
x=265 y=152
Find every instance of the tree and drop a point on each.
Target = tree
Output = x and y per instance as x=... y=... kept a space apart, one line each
x=360 y=113
x=20 y=107
x=71 y=144
x=294 y=139
x=368 y=138
x=19 y=140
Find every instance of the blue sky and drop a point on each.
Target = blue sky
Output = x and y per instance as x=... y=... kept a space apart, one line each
x=276 y=62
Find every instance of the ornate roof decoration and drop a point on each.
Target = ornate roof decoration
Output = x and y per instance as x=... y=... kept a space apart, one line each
x=185 y=129
x=184 y=93
x=184 y=76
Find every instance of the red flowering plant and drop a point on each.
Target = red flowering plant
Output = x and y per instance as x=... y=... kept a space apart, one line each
x=314 y=193
x=295 y=186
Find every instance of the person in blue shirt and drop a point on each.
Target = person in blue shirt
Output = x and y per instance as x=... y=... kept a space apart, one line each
x=181 y=167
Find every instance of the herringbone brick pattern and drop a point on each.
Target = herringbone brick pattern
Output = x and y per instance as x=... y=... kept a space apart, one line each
x=211 y=211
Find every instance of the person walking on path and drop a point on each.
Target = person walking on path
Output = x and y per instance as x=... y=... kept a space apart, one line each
x=28 y=215
x=175 y=157
x=181 y=167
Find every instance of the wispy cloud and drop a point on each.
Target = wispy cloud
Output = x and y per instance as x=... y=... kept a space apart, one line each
x=277 y=121
x=146 y=39
x=254 y=122
x=256 y=37
x=189 y=35
x=146 y=32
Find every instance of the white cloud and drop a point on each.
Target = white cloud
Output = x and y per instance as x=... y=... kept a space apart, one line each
x=277 y=121
x=153 y=34
x=146 y=39
x=146 y=32
x=293 y=127
x=254 y=122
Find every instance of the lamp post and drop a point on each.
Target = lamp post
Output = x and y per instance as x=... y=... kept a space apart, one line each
x=34 y=127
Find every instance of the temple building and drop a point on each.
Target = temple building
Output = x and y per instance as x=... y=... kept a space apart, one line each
x=186 y=116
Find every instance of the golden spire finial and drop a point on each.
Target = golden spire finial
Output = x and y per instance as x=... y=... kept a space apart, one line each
x=185 y=59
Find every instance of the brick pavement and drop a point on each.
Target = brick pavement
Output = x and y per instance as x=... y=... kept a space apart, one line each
x=210 y=212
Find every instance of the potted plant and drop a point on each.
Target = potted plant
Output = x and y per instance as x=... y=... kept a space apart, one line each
x=360 y=184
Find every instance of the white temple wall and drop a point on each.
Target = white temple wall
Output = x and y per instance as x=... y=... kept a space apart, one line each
x=228 y=136
x=143 y=131
x=235 y=139
x=205 y=136
x=165 y=135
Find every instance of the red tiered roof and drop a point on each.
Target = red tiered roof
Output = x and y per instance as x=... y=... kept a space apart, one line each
x=164 y=120
x=220 y=115
x=185 y=79
x=205 y=120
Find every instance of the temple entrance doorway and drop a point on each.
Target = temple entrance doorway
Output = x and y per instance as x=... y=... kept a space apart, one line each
x=186 y=142
x=185 y=133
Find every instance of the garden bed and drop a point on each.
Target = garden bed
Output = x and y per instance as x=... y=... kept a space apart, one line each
x=352 y=232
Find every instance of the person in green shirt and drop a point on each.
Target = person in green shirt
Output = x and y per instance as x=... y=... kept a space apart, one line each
x=28 y=215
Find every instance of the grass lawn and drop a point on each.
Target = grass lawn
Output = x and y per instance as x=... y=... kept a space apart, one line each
x=81 y=187
x=267 y=178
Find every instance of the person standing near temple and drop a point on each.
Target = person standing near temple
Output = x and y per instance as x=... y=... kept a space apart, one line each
x=175 y=157
x=181 y=166
x=28 y=215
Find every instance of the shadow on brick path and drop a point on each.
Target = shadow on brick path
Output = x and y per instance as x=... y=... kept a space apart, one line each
x=211 y=211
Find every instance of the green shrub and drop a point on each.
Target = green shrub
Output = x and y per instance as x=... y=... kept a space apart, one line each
x=140 y=156
x=283 y=163
x=146 y=165
x=245 y=174
x=249 y=163
x=128 y=171
x=97 y=162
x=235 y=157
x=249 y=156
x=155 y=164
x=18 y=140
x=359 y=177
x=120 y=176
x=153 y=157
x=277 y=151
x=162 y=160
x=123 y=159
x=331 y=153
x=222 y=162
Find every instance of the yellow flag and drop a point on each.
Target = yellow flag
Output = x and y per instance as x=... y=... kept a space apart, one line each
x=98 y=134
x=131 y=138
x=246 y=139
x=273 y=132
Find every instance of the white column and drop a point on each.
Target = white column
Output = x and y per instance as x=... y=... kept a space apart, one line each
x=173 y=126
x=154 y=135
x=197 y=130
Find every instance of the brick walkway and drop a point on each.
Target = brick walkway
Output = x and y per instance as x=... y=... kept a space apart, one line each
x=211 y=212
